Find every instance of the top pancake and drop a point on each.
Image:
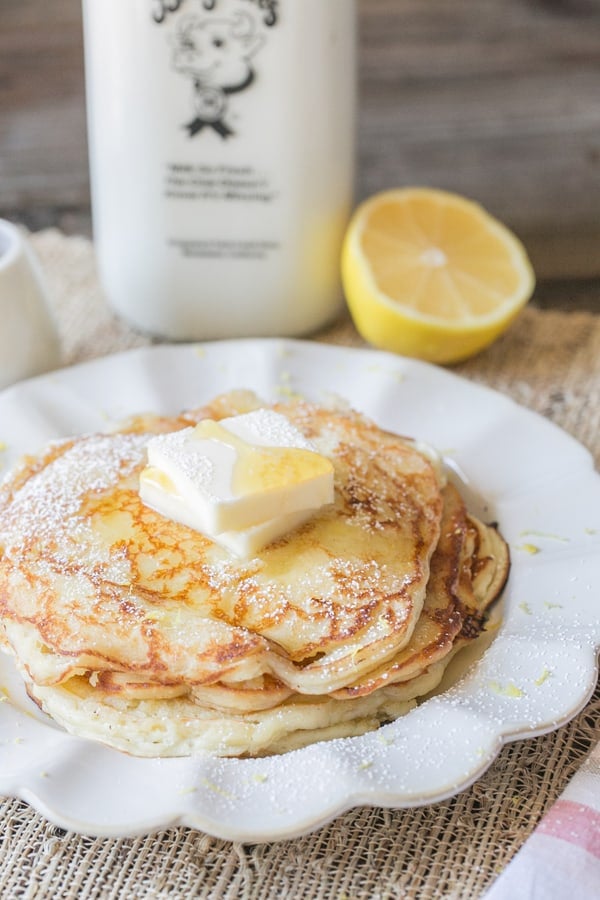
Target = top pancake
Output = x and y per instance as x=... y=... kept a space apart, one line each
x=91 y=579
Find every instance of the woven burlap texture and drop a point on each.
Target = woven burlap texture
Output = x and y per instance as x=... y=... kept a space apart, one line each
x=549 y=362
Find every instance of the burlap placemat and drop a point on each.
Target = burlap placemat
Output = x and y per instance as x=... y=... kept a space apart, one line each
x=549 y=362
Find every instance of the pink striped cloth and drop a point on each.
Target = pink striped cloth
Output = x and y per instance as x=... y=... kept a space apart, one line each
x=561 y=859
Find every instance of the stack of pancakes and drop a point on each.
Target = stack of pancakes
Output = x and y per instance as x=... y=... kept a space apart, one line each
x=139 y=632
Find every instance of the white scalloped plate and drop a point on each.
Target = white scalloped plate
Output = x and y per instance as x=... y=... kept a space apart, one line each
x=537 y=674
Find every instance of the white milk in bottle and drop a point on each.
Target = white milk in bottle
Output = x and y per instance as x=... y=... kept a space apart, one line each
x=221 y=151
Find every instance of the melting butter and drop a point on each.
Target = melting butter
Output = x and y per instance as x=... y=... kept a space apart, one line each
x=264 y=468
x=243 y=481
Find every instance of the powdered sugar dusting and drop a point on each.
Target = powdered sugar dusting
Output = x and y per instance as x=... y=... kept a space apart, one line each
x=266 y=428
x=190 y=460
x=46 y=509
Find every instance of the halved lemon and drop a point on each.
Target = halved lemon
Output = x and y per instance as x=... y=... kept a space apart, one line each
x=432 y=275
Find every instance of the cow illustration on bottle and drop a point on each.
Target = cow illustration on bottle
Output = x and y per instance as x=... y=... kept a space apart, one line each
x=216 y=54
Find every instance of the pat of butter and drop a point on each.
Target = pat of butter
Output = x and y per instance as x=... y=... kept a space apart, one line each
x=250 y=540
x=242 y=481
x=243 y=542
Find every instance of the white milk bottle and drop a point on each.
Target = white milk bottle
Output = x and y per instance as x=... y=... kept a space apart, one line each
x=221 y=152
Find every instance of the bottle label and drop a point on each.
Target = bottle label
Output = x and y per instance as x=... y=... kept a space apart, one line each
x=215 y=49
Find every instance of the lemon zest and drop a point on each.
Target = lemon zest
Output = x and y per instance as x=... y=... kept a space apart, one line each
x=507 y=690
x=260 y=777
x=545 y=534
x=532 y=549
x=543 y=677
x=211 y=786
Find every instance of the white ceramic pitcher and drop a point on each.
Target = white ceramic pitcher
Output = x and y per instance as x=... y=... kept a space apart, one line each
x=28 y=337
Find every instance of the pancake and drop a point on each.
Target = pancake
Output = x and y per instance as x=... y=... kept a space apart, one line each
x=90 y=578
x=451 y=610
x=179 y=726
x=135 y=630
x=468 y=571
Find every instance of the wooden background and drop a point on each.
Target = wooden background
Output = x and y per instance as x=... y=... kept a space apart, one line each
x=496 y=99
